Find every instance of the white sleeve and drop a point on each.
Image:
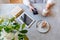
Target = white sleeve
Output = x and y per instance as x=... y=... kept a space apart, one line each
x=50 y=1
x=26 y=2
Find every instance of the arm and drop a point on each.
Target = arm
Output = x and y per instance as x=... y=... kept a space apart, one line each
x=34 y=10
x=49 y=4
x=27 y=3
x=47 y=10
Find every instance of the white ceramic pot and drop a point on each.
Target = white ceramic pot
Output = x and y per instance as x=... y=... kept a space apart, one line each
x=7 y=36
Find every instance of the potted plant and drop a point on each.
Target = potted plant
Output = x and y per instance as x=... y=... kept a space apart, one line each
x=12 y=30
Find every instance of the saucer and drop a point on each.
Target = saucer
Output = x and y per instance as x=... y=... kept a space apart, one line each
x=40 y=29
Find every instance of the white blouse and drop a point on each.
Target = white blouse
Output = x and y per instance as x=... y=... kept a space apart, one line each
x=50 y=1
x=27 y=2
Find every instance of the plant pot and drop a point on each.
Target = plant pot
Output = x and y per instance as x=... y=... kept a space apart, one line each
x=7 y=36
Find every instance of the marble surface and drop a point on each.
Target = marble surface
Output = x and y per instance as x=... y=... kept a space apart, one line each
x=33 y=34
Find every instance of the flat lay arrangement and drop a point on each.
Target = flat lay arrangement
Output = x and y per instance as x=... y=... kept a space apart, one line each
x=16 y=25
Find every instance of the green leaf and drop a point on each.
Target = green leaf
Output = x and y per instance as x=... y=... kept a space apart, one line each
x=12 y=19
x=23 y=26
x=24 y=31
x=8 y=29
x=13 y=38
x=1 y=28
x=17 y=26
x=1 y=20
x=20 y=36
x=26 y=38
x=0 y=33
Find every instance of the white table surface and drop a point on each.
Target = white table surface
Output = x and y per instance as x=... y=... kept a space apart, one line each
x=33 y=34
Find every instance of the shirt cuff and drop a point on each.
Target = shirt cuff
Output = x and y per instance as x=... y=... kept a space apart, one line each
x=26 y=2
